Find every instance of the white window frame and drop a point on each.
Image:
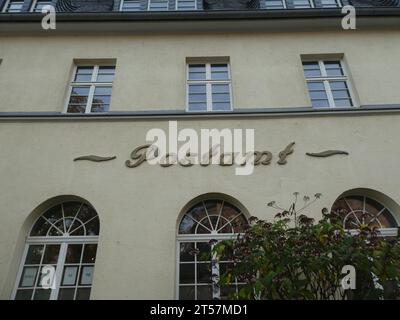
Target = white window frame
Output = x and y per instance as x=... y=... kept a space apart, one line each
x=208 y=82
x=92 y=84
x=63 y=242
x=206 y=238
x=121 y=5
x=325 y=79
x=149 y=6
x=34 y=3
x=177 y=2
x=5 y=6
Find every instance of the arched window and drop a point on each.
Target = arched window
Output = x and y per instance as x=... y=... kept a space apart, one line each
x=60 y=253
x=201 y=226
x=361 y=210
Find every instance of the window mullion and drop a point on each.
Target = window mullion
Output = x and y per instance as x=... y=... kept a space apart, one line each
x=322 y=68
x=59 y=271
x=215 y=271
x=209 y=96
x=329 y=93
x=90 y=98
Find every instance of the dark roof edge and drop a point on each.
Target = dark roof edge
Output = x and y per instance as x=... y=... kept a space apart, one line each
x=200 y=15
x=178 y=114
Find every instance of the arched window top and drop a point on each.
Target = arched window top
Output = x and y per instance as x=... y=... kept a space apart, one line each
x=212 y=217
x=70 y=218
x=361 y=210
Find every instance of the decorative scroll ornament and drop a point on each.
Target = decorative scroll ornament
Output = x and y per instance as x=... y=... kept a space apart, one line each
x=327 y=153
x=94 y=158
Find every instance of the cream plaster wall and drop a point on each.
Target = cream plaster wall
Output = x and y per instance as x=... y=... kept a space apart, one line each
x=139 y=207
x=266 y=67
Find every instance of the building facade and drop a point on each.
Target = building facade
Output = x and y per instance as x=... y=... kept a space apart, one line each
x=77 y=102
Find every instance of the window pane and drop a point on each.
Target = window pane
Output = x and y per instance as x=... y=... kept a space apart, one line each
x=132 y=5
x=106 y=74
x=204 y=293
x=42 y=294
x=101 y=99
x=15 y=6
x=197 y=106
x=186 y=273
x=301 y=4
x=219 y=72
x=197 y=72
x=34 y=255
x=76 y=108
x=340 y=94
x=40 y=4
x=312 y=73
x=338 y=85
x=221 y=97
x=320 y=103
x=86 y=276
x=83 y=294
x=69 y=275
x=316 y=86
x=28 y=276
x=220 y=88
x=83 y=74
x=274 y=4
x=186 y=4
x=40 y=228
x=74 y=252
x=343 y=103
x=187 y=251
x=197 y=89
x=51 y=254
x=334 y=72
x=89 y=255
x=333 y=68
x=96 y=108
x=204 y=273
x=329 y=4
x=93 y=227
x=315 y=95
x=186 y=292
x=66 y=294
x=221 y=106
x=204 y=249
x=24 y=294
x=197 y=98
x=312 y=65
x=158 y=5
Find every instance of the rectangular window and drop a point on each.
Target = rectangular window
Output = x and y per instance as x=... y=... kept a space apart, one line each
x=130 y=5
x=209 y=87
x=328 y=84
x=158 y=5
x=90 y=90
x=186 y=5
x=13 y=6
x=39 y=4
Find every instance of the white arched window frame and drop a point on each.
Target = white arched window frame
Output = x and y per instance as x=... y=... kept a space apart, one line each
x=221 y=220
x=360 y=209
x=69 y=244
